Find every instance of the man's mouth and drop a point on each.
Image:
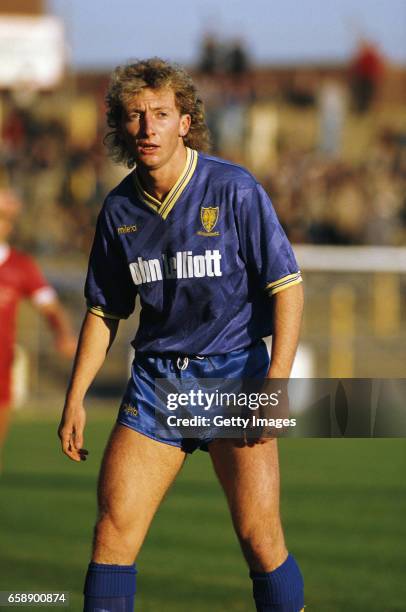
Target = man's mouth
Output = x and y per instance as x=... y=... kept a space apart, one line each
x=147 y=147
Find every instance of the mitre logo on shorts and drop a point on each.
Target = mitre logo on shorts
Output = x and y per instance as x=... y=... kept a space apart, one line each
x=209 y=215
x=182 y=265
x=129 y=409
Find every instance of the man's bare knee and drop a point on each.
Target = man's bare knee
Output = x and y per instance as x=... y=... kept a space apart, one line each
x=116 y=532
x=116 y=522
x=114 y=541
x=264 y=549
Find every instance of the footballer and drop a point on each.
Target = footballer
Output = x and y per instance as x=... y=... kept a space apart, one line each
x=21 y=278
x=197 y=239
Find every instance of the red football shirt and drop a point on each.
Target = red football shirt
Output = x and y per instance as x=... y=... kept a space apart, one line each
x=20 y=278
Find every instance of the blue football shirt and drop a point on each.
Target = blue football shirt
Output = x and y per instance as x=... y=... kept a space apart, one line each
x=203 y=261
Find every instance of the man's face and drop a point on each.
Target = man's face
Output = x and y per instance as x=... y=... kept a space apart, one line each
x=153 y=127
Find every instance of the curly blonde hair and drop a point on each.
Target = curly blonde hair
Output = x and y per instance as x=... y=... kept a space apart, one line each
x=155 y=73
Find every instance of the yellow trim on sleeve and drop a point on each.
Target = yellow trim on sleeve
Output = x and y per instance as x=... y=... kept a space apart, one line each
x=284 y=283
x=296 y=282
x=97 y=310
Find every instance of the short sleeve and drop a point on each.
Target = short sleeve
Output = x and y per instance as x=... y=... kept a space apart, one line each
x=264 y=246
x=109 y=289
x=35 y=286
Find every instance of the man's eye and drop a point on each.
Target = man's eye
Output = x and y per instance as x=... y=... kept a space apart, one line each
x=162 y=114
x=134 y=115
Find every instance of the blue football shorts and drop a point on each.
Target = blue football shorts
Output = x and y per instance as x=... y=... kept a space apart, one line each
x=144 y=409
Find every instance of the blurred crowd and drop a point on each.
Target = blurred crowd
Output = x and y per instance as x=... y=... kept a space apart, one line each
x=53 y=155
x=297 y=135
x=327 y=186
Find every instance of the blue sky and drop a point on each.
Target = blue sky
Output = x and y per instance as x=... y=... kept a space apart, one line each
x=103 y=33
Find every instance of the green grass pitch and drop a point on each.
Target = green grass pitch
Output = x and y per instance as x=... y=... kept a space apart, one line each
x=343 y=504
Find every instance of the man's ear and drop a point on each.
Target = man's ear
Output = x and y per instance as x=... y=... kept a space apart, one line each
x=184 y=125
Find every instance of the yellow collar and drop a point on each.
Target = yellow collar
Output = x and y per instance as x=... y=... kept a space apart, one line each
x=164 y=208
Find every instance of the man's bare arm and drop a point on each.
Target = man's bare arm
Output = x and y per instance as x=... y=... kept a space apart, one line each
x=288 y=309
x=59 y=323
x=96 y=337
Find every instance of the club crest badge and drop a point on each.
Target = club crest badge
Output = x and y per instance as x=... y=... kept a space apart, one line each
x=209 y=216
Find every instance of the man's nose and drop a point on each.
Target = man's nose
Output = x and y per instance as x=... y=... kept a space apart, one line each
x=148 y=124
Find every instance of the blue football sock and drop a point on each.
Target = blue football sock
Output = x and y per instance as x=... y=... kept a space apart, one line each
x=109 y=588
x=280 y=590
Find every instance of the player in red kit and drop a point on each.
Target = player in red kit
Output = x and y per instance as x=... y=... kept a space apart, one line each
x=20 y=278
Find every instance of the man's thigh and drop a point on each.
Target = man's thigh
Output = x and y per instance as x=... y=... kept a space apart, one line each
x=136 y=473
x=249 y=474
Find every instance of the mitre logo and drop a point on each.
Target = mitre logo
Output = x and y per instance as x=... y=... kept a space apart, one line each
x=128 y=409
x=209 y=215
x=126 y=229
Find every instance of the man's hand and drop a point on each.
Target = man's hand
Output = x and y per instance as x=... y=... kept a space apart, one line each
x=71 y=430
x=270 y=420
x=96 y=337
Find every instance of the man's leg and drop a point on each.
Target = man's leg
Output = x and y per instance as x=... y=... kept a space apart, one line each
x=249 y=476
x=136 y=473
